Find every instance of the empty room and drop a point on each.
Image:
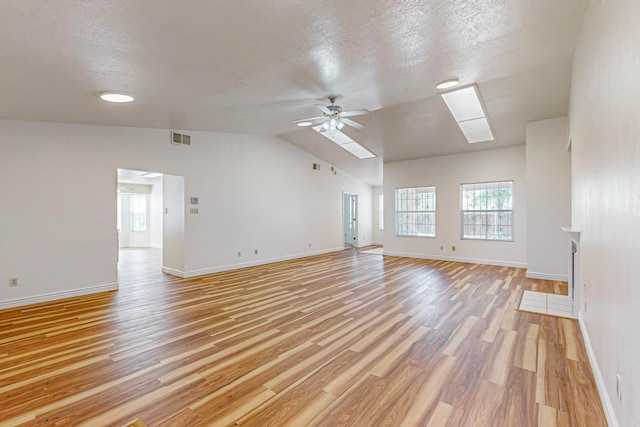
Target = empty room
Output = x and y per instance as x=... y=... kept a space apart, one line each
x=276 y=213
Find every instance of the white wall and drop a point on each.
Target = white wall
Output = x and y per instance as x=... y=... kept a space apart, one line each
x=605 y=132
x=447 y=173
x=173 y=224
x=378 y=235
x=256 y=192
x=548 y=198
x=155 y=213
x=125 y=221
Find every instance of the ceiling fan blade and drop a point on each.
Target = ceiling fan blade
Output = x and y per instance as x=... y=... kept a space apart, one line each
x=310 y=119
x=352 y=123
x=354 y=113
x=324 y=109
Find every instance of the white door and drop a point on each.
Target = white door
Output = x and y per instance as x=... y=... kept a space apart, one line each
x=350 y=220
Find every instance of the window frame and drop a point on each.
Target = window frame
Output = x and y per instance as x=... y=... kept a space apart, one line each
x=427 y=211
x=144 y=215
x=486 y=211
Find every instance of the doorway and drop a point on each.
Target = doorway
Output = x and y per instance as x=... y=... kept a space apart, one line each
x=145 y=232
x=350 y=219
x=139 y=217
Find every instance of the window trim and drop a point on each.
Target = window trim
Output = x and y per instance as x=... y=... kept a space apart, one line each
x=512 y=210
x=435 y=212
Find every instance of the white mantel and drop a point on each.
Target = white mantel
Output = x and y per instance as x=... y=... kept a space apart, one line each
x=573 y=233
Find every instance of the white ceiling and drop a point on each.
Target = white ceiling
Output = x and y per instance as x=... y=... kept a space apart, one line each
x=256 y=65
x=135 y=177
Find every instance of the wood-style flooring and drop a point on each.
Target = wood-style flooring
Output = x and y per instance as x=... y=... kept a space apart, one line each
x=344 y=339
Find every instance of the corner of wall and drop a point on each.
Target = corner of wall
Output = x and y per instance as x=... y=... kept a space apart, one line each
x=600 y=384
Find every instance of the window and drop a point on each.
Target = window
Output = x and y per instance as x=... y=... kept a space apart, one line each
x=139 y=212
x=487 y=210
x=381 y=212
x=416 y=211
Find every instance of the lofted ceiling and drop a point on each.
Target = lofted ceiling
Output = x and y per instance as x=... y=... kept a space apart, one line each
x=256 y=65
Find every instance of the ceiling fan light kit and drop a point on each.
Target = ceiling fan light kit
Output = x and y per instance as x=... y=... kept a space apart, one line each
x=332 y=124
x=333 y=118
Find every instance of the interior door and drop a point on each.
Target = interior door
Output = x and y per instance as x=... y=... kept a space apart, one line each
x=350 y=209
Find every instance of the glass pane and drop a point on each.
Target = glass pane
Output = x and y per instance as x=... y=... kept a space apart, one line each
x=138 y=212
x=415 y=211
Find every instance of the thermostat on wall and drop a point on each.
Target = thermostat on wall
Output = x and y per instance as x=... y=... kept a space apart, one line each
x=194 y=200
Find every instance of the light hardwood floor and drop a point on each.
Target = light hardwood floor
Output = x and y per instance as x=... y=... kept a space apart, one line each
x=339 y=339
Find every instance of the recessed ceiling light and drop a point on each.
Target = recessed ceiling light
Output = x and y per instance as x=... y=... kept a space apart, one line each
x=448 y=84
x=304 y=124
x=116 y=97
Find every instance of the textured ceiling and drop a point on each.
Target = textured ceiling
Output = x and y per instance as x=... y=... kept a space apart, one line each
x=255 y=66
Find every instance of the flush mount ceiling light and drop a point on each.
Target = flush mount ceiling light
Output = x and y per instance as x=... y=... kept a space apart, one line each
x=466 y=108
x=116 y=97
x=345 y=142
x=446 y=84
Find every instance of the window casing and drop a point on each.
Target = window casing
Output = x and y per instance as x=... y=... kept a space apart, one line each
x=487 y=211
x=416 y=212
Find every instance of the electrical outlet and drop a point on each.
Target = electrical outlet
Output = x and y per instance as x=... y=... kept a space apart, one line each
x=13 y=281
x=453 y=248
x=194 y=211
x=619 y=387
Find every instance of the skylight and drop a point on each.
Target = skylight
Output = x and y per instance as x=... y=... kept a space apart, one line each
x=347 y=143
x=467 y=110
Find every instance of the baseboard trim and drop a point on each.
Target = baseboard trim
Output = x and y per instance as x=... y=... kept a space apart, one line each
x=600 y=384
x=36 y=299
x=173 y=272
x=545 y=276
x=456 y=259
x=229 y=267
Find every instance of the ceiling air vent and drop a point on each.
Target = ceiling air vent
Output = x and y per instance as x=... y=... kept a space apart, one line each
x=178 y=138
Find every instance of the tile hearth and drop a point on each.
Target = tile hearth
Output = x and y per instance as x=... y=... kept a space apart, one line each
x=544 y=303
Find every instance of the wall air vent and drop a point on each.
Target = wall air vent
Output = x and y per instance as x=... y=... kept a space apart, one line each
x=178 y=138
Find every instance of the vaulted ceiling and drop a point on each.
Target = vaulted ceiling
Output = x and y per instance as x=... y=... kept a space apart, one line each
x=256 y=65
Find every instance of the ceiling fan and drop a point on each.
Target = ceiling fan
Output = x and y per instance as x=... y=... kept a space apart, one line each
x=333 y=118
